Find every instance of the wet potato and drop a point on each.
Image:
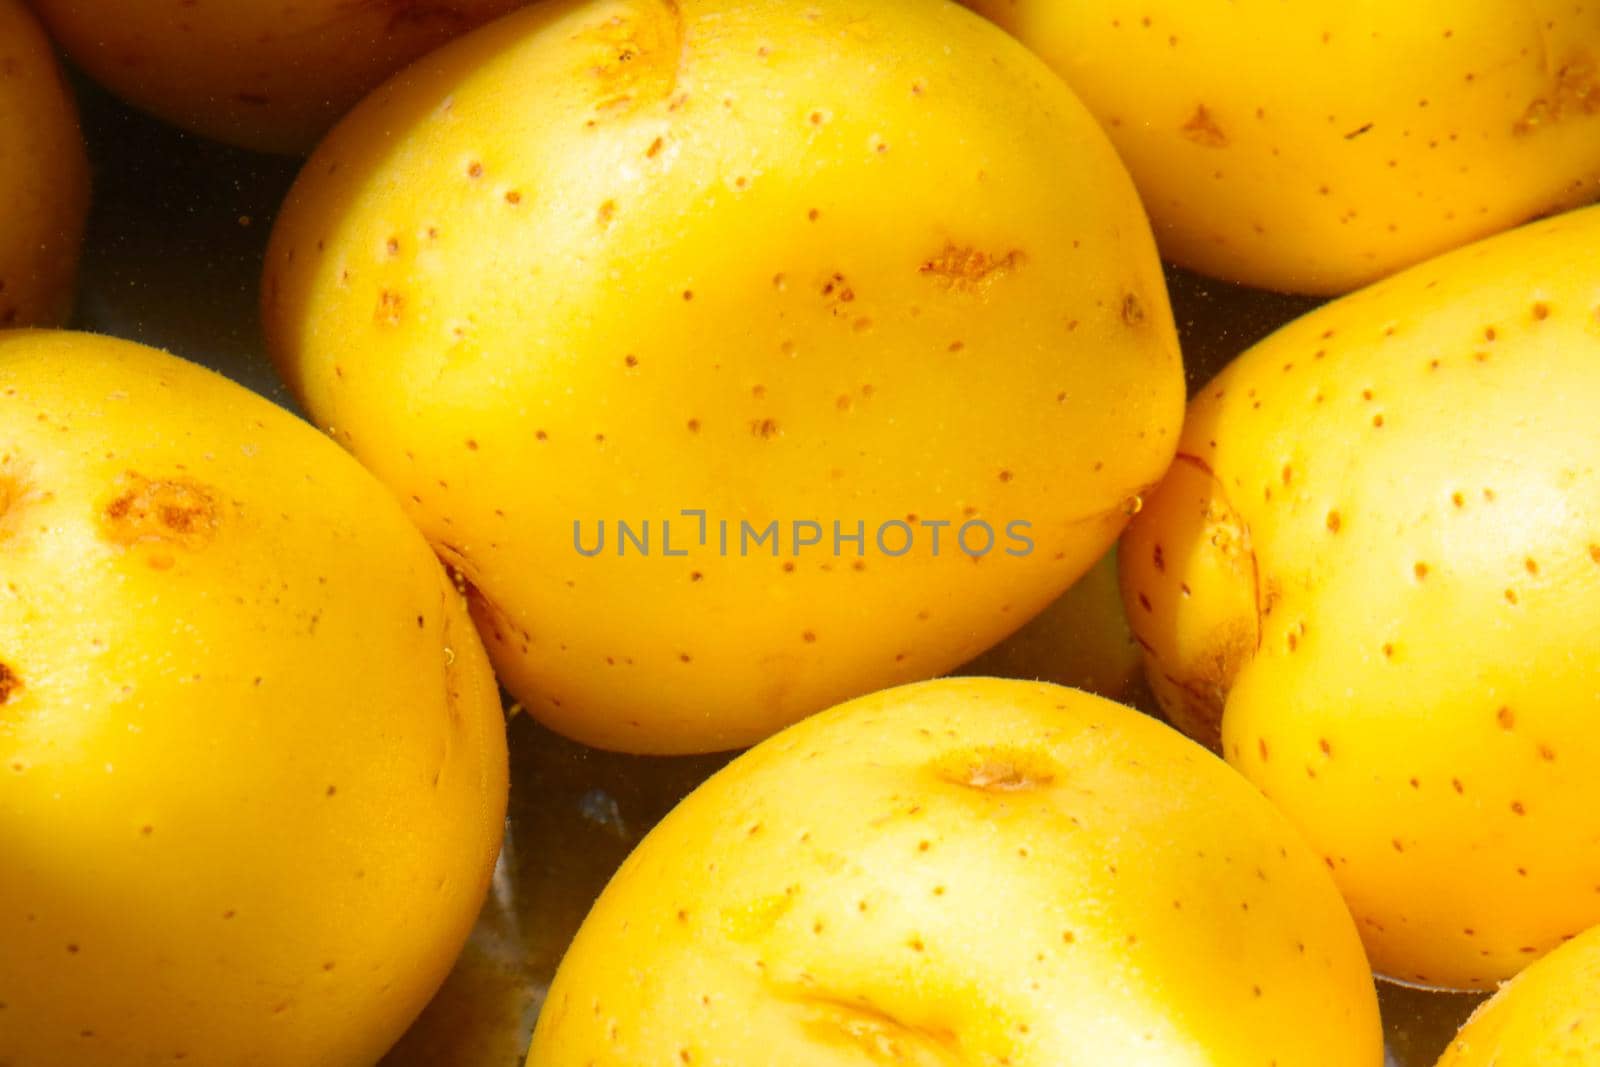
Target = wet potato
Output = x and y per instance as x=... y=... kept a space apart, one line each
x=252 y=761
x=1316 y=148
x=853 y=262
x=968 y=871
x=568 y=842
x=1370 y=578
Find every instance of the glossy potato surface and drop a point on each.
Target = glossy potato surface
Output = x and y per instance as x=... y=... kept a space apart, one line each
x=252 y=760
x=968 y=871
x=1315 y=148
x=834 y=268
x=1371 y=578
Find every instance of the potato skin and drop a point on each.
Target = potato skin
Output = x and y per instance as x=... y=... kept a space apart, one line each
x=968 y=871
x=252 y=762
x=1376 y=561
x=1545 y=1017
x=845 y=261
x=1317 y=148
x=44 y=177
x=263 y=74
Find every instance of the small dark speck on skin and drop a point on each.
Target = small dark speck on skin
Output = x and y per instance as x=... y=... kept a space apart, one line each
x=1132 y=310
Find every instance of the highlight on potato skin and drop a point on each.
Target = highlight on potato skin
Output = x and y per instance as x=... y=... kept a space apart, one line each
x=1316 y=148
x=1544 y=1017
x=968 y=871
x=253 y=766
x=1369 y=578
x=270 y=75
x=44 y=177
x=862 y=263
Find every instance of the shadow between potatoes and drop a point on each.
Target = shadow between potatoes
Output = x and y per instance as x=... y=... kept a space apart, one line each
x=575 y=814
x=177 y=231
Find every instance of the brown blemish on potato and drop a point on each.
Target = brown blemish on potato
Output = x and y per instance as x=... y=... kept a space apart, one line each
x=995 y=769
x=176 y=511
x=1202 y=129
x=634 y=60
x=1132 y=310
x=390 y=309
x=1197 y=684
x=1203 y=683
x=10 y=684
x=965 y=269
x=1575 y=92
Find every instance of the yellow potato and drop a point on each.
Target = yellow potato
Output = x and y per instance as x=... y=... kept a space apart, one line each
x=1547 y=1017
x=44 y=177
x=968 y=871
x=856 y=262
x=1319 y=147
x=1081 y=640
x=252 y=765
x=1376 y=561
x=263 y=74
